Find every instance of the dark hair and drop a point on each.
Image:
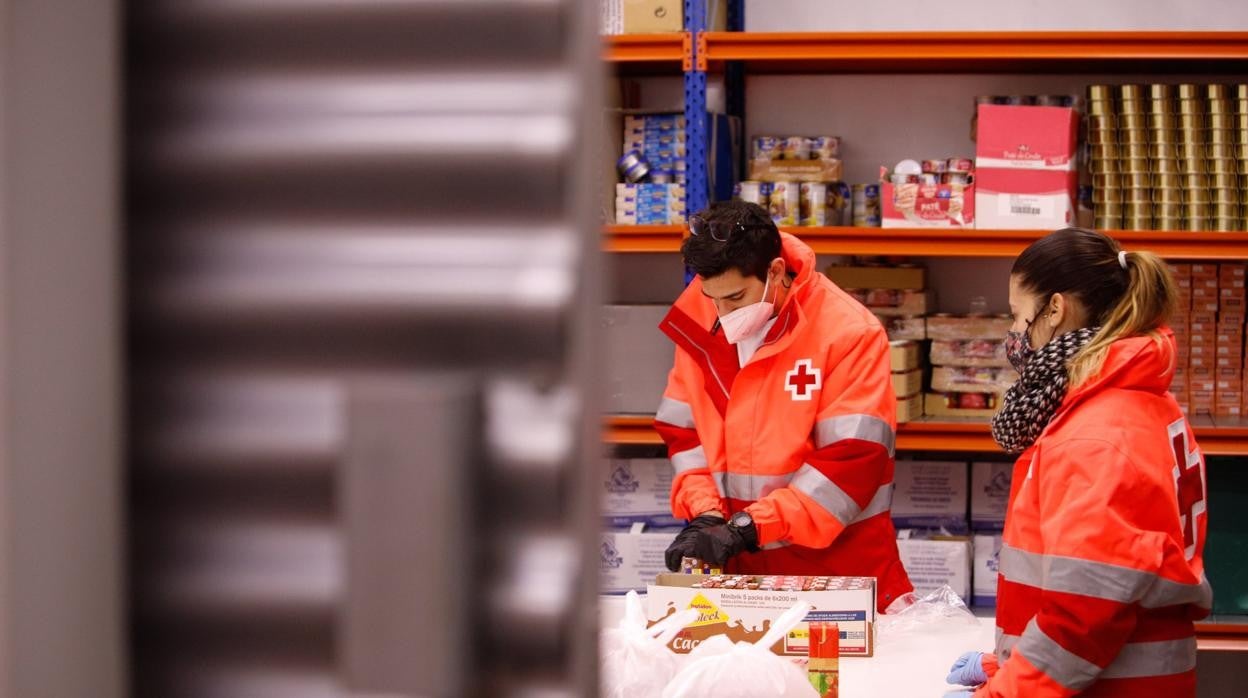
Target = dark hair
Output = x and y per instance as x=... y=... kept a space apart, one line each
x=750 y=247
x=1085 y=264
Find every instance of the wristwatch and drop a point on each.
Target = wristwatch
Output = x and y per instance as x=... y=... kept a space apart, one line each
x=743 y=523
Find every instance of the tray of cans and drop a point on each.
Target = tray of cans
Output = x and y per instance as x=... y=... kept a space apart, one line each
x=1168 y=157
x=773 y=582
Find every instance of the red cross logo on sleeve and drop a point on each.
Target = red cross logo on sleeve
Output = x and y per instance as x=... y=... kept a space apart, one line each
x=803 y=380
x=1189 y=485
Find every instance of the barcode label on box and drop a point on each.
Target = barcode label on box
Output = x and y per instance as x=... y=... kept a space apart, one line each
x=1015 y=205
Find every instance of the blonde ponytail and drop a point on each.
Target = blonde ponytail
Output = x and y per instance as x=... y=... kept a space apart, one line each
x=1146 y=306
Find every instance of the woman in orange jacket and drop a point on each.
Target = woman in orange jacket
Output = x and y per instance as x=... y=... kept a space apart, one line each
x=1101 y=572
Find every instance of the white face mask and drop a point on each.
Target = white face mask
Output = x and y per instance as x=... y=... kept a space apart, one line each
x=745 y=321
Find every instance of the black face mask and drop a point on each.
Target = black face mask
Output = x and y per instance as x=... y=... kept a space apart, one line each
x=1018 y=347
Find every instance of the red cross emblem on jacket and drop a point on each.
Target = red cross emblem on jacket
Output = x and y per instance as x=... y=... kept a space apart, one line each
x=803 y=380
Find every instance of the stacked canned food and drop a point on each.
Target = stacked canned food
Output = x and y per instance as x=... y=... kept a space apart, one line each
x=1168 y=157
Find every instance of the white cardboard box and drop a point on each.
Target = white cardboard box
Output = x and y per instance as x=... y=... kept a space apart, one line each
x=930 y=494
x=933 y=563
x=631 y=559
x=745 y=615
x=638 y=490
x=990 y=495
x=984 y=573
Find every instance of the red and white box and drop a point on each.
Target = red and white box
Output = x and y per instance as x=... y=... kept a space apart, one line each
x=1025 y=167
x=927 y=206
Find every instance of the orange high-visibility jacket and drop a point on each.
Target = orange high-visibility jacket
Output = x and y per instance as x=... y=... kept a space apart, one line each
x=801 y=437
x=1101 y=571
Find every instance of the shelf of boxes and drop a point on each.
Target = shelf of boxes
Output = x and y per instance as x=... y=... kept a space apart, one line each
x=997 y=52
x=929 y=242
x=1216 y=436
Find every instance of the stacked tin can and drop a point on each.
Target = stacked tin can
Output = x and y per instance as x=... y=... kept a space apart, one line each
x=1168 y=157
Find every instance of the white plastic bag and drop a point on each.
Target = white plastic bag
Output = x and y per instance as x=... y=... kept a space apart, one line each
x=720 y=669
x=636 y=662
x=938 y=612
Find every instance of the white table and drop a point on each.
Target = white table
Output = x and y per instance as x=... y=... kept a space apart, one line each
x=911 y=666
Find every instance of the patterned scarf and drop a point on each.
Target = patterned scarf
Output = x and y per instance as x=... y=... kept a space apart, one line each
x=1032 y=400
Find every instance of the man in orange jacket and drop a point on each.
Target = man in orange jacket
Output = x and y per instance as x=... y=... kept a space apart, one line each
x=779 y=414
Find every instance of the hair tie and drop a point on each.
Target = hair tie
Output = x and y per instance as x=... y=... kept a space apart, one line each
x=1122 y=259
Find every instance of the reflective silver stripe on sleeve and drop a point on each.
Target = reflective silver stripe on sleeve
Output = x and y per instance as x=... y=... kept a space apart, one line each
x=1144 y=659
x=750 y=487
x=1057 y=662
x=692 y=459
x=1100 y=580
x=776 y=545
x=862 y=427
x=826 y=494
x=1004 y=644
x=880 y=503
x=676 y=413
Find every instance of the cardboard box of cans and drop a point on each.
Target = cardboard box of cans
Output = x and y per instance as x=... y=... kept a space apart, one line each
x=990 y=495
x=947 y=327
x=984 y=571
x=903 y=277
x=979 y=353
x=890 y=302
x=638 y=490
x=930 y=495
x=630 y=558
x=904 y=356
x=904 y=328
x=795 y=159
x=1025 y=162
x=743 y=607
x=979 y=406
x=942 y=195
x=656 y=16
x=935 y=561
x=963 y=379
x=907 y=384
x=909 y=409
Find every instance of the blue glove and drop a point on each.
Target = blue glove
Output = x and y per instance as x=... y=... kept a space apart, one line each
x=959 y=694
x=968 y=670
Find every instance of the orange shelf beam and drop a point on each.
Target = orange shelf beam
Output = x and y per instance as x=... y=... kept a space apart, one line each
x=643 y=238
x=974 y=437
x=980 y=51
x=943 y=242
x=644 y=48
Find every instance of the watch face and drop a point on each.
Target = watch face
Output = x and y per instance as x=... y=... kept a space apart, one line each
x=742 y=519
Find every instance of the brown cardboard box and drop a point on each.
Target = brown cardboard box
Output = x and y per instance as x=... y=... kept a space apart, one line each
x=1232 y=319
x=1202 y=402
x=1184 y=283
x=912 y=278
x=1204 y=349
x=1205 y=292
x=1231 y=348
x=1202 y=317
x=1203 y=325
x=975 y=352
x=952 y=328
x=1232 y=271
x=653 y=16
x=1234 y=284
x=902 y=328
x=953 y=379
x=1205 y=270
x=1231 y=373
x=891 y=302
x=941 y=405
x=744 y=614
x=826 y=170
x=1204 y=283
x=1232 y=303
x=909 y=409
x=1205 y=305
x=1180 y=271
x=908 y=383
x=904 y=356
x=1203 y=337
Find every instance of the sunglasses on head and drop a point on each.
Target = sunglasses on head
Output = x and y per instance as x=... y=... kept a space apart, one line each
x=719 y=231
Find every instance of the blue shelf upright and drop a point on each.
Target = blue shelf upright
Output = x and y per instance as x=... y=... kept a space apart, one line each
x=697 y=136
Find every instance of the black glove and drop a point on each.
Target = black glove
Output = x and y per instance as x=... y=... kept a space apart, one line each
x=713 y=543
